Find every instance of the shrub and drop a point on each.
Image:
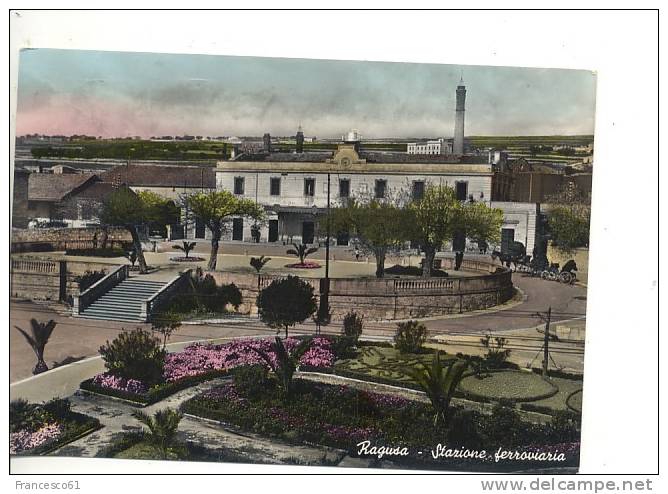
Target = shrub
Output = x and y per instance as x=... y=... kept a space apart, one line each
x=100 y=252
x=230 y=294
x=352 y=325
x=251 y=380
x=89 y=278
x=504 y=426
x=563 y=427
x=135 y=355
x=343 y=347
x=410 y=336
x=463 y=429
x=496 y=354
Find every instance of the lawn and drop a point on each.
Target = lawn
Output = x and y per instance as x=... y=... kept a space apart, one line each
x=385 y=363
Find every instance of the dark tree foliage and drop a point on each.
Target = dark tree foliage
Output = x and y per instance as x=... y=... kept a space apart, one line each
x=286 y=302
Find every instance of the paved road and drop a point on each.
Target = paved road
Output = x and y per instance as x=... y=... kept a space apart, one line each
x=75 y=339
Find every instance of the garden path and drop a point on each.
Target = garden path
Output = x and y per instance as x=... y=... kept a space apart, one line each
x=116 y=417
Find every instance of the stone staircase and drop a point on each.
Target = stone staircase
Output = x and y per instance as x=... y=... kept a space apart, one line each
x=124 y=301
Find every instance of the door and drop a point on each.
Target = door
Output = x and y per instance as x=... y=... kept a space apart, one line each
x=200 y=228
x=507 y=239
x=308 y=232
x=238 y=229
x=273 y=230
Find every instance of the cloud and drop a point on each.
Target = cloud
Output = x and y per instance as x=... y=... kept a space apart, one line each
x=111 y=93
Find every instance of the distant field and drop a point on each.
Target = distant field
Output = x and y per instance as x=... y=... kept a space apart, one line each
x=211 y=150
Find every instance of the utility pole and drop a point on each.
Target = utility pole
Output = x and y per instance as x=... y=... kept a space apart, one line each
x=546 y=342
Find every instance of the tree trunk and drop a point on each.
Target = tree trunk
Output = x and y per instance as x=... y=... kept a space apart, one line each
x=429 y=255
x=104 y=235
x=380 y=264
x=286 y=332
x=213 y=257
x=137 y=245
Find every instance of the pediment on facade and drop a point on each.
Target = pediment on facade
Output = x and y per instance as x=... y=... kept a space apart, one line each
x=346 y=156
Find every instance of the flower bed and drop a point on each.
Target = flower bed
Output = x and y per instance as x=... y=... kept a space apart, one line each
x=304 y=265
x=342 y=417
x=187 y=259
x=40 y=429
x=201 y=362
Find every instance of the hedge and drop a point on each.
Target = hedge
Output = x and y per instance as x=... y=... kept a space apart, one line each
x=156 y=393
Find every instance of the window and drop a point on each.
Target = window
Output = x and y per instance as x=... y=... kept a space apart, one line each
x=275 y=186
x=381 y=185
x=309 y=187
x=239 y=185
x=344 y=187
x=461 y=189
x=418 y=190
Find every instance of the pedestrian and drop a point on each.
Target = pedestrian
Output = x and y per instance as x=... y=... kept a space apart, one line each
x=357 y=254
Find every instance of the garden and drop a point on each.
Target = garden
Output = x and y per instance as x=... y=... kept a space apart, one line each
x=323 y=391
x=38 y=429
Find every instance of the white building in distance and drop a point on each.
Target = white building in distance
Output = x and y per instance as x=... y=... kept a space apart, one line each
x=438 y=146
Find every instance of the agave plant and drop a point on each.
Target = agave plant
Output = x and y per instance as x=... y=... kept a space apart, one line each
x=162 y=429
x=439 y=381
x=41 y=332
x=285 y=364
x=186 y=247
x=301 y=251
x=259 y=262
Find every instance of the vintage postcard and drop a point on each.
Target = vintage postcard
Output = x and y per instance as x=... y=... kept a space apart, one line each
x=299 y=262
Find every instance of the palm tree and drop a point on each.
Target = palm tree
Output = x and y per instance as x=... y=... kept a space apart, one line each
x=259 y=262
x=286 y=362
x=162 y=428
x=439 y=382
x=41 y=332
x=186 y=247
x=301 y=251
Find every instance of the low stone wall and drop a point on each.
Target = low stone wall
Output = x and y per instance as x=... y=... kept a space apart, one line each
x=38 y=279
x=395 y=298
x=59 y=239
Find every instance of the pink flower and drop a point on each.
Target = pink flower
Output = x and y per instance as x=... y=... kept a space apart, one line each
x=24 y=440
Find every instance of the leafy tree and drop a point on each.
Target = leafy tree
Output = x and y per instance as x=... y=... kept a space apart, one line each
x=434 y=219
x=259 y=262
x=186 y=247
x=37 y=339
x=215 y=209
x=569 y=218
x=126 y=209
x=165 y=324
x=158 y=211
x=162 y=429
x=439 y=382
x=301 y=251
x=379 y=226
x=480 y=223
x=285 y=363
x=286 y=302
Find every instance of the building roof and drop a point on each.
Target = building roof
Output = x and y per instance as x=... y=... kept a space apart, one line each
x=161 y=176
x=96 y=190
x=369 y=156
x=54 y=187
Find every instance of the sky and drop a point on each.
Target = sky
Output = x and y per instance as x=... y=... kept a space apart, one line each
x=118 y=94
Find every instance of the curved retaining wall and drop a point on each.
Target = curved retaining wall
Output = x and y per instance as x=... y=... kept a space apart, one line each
x=396 y=298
